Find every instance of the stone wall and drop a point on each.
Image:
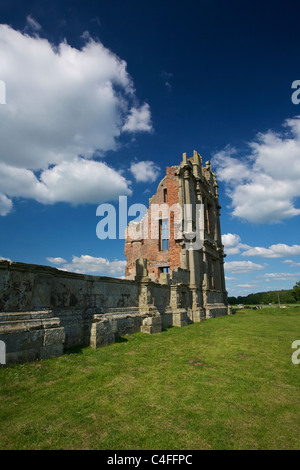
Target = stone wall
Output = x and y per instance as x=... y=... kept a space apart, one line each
x=44 y=310
x=26 y=287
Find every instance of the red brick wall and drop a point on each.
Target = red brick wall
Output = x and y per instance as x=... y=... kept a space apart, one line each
x=149 y=248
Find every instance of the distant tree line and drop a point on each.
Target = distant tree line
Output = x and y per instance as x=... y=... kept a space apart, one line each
x=290 y=296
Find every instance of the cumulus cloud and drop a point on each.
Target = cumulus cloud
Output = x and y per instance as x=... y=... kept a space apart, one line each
x=139 y=119
x=232 y=244
x=78 y=181
x=65 y=107
x=87 y=264
x=264 y=184
x=145 y=171
x=274 y=251
x=6 y=204
x=241 y=267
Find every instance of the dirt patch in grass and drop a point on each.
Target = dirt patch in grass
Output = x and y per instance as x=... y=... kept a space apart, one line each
x=197 y=362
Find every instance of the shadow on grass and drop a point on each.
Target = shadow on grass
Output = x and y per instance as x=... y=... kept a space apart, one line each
x=75 y=350
x=163 y=330
x=121 y=339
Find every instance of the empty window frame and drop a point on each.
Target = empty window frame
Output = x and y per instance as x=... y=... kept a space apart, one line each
x=165 y=195
x=163 y=235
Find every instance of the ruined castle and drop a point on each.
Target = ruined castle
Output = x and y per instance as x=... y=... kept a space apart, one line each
x=174 y=276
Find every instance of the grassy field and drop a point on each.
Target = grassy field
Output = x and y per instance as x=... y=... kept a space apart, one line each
x=226 y=383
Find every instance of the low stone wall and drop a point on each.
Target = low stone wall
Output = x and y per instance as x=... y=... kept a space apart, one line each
x=46 y=310
x=31 y=335
x=26 y=287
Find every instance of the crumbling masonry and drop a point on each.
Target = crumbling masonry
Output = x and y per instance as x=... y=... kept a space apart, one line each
x=169 y=280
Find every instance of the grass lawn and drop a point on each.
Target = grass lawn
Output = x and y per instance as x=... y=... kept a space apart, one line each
x=226 y=383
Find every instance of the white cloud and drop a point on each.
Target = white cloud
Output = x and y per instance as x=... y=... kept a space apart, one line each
x=57 y=260
x=291 y=263
x=281 y=276
x=87 y=264
x=4 y=259
x=274 y=251
x=32 y=23
x=83 y=181
x=145 y=171
x=139 y=119
x=264 y=184
x=240 y=267
x=77 y=182
x=62 y=103
x=231 y=169
x=6 y=205
x=250 y=286
x=232 y=244
x=167 y=77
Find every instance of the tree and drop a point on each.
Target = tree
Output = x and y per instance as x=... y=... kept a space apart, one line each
x=296 y=291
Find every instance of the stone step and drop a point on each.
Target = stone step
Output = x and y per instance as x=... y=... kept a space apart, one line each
x=120 y=309
x=19 y=316
x=18 y=323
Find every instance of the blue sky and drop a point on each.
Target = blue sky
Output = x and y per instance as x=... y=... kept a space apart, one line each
x=102 y=96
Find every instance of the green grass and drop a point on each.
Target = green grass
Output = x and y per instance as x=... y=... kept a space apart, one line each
x=226 y=383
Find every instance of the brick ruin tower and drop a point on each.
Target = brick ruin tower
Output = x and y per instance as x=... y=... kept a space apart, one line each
x=195 y=273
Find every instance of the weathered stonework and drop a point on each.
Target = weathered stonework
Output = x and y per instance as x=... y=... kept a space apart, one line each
x=46 y=310
x=195 y=276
